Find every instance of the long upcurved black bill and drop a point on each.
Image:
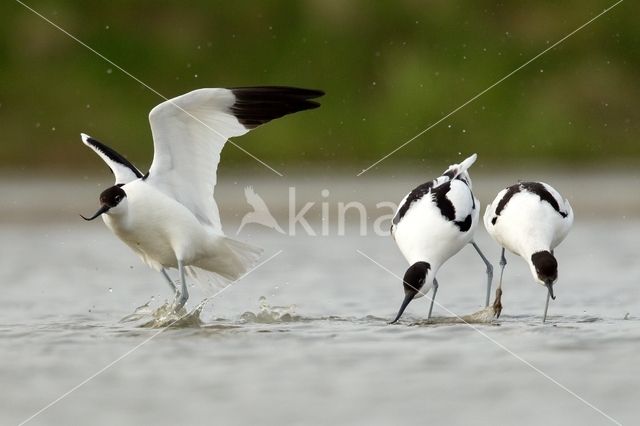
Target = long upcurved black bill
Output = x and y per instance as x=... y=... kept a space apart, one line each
x=407 y=298
x=550 y=288
x=102 y=210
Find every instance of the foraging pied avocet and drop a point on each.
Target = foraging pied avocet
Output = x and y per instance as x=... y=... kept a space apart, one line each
x=433 y=223
x=529 y=219
x=169 y=216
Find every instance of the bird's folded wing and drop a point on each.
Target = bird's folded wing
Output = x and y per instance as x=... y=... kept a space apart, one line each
x=190 y=131
x=462 y=200
x=123 y=171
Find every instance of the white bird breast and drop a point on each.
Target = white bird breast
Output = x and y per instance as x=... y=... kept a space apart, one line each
x=158 y=228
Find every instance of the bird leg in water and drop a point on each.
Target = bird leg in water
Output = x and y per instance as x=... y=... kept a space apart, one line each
x=183 y=295
x=168 y=278
x=433 y=297
x=489 y=272
x=497 y=304
x=550 y=295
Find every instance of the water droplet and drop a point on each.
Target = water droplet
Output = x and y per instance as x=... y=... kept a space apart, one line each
x=110 y=290
x=109 y=70
x=106 y=27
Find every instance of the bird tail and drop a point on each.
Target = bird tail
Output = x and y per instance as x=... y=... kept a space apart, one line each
x=467 y=163
x=458 y=171
x=455 y=170
x=232 y=261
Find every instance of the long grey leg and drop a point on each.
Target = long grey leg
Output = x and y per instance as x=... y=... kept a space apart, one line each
x=503 y=263
x=497 y=304
x=489 y=272
x=184 y=294
x=168 y=278
x=433 y=297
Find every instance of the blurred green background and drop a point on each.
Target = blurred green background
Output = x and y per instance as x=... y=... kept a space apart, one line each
x=389 y=68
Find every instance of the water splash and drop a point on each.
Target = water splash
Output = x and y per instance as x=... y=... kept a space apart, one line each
x=268 y=314
x=166 y=315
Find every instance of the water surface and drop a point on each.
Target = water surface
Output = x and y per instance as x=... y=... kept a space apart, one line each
x=305 y=340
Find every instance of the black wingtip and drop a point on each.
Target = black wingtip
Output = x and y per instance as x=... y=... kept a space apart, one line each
x=258 y=105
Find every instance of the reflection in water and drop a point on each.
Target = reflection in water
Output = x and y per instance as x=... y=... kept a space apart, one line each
x=483 y=316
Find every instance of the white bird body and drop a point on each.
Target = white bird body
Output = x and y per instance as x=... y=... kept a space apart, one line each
x=169 y=216
x=526 y=224
x=530 y=219
x=425 y=234
x=433 y=223
x=140 y=221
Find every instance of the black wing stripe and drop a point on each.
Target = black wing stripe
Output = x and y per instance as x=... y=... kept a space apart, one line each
x=542 y=192
x=511 y=191
x=533 y=187
x=416 y=194
x=439 y=195
x=114 y=156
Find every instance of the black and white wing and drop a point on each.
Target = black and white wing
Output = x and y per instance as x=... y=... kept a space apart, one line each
x=190 y=131
x=456 y=203
x=123 y=171
x=545 y=192
x=439 y=188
